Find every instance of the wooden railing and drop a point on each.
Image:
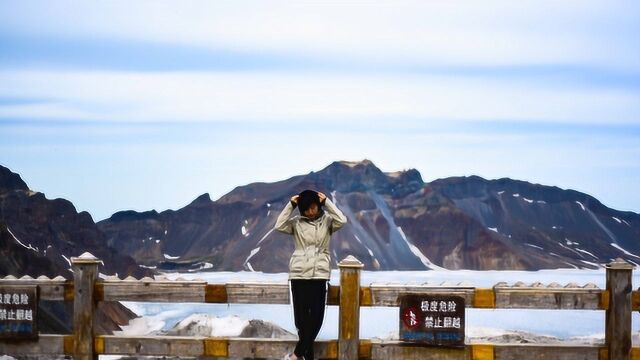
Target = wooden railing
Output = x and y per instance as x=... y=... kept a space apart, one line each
x=86 y=290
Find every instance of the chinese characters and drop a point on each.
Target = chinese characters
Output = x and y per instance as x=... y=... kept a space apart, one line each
x=440 y=307
x=432 y=319
x=18 y=306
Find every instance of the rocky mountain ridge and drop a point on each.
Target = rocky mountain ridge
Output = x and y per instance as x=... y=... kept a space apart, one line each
x=38 y=236
x=396 y=222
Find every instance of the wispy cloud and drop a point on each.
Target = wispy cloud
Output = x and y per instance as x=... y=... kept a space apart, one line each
x=185 y=91
x=407 y=32
x=207 y=96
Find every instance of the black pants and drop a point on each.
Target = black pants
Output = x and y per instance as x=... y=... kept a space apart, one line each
x=309 y=298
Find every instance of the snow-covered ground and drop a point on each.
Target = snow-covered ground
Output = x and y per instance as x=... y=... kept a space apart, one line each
x=383 y=321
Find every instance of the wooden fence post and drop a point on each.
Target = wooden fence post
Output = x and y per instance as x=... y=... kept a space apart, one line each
x=618 y=314
x=349 y=317
x=85 y=273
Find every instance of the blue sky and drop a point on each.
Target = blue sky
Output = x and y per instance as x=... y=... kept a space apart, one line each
x=146 y=105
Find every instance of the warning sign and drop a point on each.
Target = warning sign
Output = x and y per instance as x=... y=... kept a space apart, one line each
x=18 y=312
x=432 y=319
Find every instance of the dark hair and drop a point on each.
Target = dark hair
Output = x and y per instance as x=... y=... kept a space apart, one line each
x=306 y=198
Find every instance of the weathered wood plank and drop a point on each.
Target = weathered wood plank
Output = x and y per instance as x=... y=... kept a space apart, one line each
x=85 y=273
x=542 y=352
x=548 y=298
x=276 y=348
x=349 y=312
x=49 y=289
x=278 y=293
x=505 y=297
x=45 y=345
x=199 y=346
x=194 y=291
x=397 y=350
x=153 y=345
x=383 y=350
x=618 y=315
x=387 y=295
x=258 y=293
x=154 y=291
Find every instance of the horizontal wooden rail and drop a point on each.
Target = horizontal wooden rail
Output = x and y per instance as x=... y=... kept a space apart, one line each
x=504 y=297
x=57 y=289
x=387 y=295
x=500 y=296
x=617 y=299
x=193 y=291
x=45 y=345
x=496 y=298
x=549 y=298
x=206 y=346
x=274 y=348
x=400 y=350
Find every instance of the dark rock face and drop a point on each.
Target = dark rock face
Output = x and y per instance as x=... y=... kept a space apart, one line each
x=38 y=235
x=10 y=181
x=198 y=234
x=559 y=227
x=396 y=222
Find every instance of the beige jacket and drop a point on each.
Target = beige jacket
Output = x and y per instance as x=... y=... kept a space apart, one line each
x=310 y=259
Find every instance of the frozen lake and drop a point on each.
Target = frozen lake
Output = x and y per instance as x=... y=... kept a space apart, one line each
x=383 y=321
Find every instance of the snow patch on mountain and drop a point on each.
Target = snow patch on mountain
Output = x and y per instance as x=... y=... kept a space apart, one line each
x=253 y=252
x=534 y=246
x=21 y=243
x=265 y=236
x=586 y=252
x=624 y=251
x=419 y=253
x=203 y=265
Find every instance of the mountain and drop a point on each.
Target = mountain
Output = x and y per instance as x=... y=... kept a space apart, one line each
x=396 y=222
x=38 y=236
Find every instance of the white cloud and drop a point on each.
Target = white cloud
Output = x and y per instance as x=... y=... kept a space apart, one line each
x=590 y=33
x=255 y=96
x=386 y=38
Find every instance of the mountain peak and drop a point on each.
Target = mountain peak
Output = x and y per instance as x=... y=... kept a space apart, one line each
x=364 y=175
x=364 y=162
x=11 y=181
x=348 y=176
x=202 y=199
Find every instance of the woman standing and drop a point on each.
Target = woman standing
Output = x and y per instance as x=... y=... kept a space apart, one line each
x=310 y=265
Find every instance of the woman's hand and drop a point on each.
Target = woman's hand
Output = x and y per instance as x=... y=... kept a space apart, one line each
x=322 y=197
x=294 y=199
